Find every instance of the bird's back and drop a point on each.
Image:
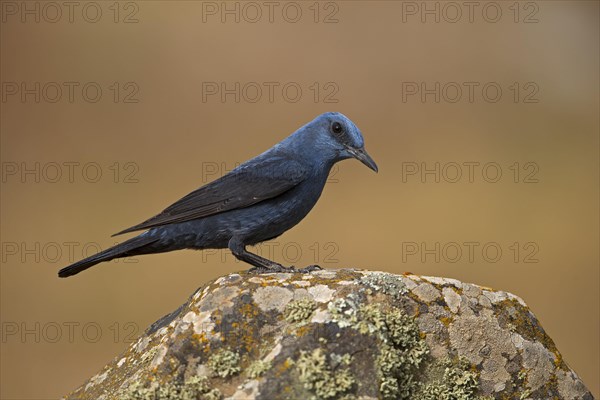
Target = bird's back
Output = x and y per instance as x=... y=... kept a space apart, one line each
x=262 y=221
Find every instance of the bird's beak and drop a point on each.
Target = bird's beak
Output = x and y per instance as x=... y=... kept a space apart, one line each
x=362 y=156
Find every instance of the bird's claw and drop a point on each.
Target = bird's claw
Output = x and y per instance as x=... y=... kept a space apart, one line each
x=275 y=267
x=309 y=269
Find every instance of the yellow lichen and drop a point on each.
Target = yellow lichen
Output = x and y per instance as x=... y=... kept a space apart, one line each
x=257 y=368
x=224 y=363
x=324 y=380
x=193 y=388
x=299 y=310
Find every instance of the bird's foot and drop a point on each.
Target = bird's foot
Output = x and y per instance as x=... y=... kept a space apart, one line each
x=308 y=269
x=275 y=267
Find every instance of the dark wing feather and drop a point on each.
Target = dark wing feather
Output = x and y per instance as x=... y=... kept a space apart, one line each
x=249 y=184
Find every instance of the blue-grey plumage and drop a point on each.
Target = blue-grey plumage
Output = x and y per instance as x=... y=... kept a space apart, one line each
x=257 y=201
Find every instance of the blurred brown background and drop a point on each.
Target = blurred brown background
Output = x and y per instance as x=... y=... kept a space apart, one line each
x=157 y=131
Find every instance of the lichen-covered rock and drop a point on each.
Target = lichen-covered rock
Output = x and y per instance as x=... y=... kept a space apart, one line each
x=343 y=334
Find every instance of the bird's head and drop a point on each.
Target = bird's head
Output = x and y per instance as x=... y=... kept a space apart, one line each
x=337 y=135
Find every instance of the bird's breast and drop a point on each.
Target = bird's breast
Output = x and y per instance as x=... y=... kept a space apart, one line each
x=273 y=217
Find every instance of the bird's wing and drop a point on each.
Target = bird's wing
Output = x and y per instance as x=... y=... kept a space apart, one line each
x=248 y=184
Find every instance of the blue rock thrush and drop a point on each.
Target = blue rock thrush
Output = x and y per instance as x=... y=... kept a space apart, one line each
x=257 y=201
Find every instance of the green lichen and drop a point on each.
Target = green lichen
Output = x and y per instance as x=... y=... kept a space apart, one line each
x=388 y=284
x=393 y=382
x=344 y=311
x=450 y=380
x=324 y=378
x=525 y=394
x=522 y=375
x=257 y=368
x=371 y=319
x=299 y=310
x=522 y=384
x=402 y=350
x=198 y=385
x=148 y=355
x=401 y=355
x=137 y=391
x=343 y=359
x=193 y=388
x=224 y=363
x=168 y=391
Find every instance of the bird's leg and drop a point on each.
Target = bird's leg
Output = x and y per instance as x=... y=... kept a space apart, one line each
x=261 y=264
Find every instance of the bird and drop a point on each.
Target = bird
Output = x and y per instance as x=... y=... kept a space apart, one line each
x=255 y=202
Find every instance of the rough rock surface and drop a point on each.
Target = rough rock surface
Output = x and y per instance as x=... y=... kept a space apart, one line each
x=341 y=334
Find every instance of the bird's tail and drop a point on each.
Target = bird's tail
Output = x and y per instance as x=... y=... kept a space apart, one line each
x=131 y=247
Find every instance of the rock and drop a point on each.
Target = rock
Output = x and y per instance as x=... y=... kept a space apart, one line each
x=343 y=334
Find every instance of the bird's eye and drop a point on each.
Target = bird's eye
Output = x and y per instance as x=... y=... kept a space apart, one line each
x=336 y=128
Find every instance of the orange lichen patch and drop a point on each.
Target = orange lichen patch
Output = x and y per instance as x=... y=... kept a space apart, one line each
x=446 y=321
x=416 y=299
x=524 y=323
x=303 y=330
x=333 y=279
x=417 y=313
x=274 y=280
x=247 y=328
x=458 y=290
x=217 y=317
x=173 y=362
x=212 y=286
x=249 y=310
x=201 y=338
x=287 y=364
x=282 y=368
x=552 y=382
x=558 y=361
